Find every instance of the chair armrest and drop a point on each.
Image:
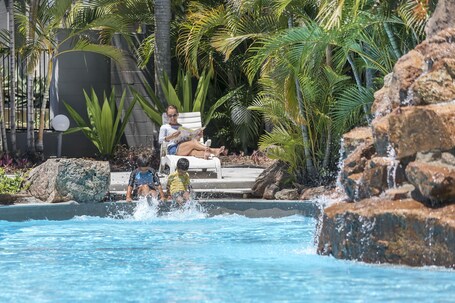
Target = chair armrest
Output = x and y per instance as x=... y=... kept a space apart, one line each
x=163 y=149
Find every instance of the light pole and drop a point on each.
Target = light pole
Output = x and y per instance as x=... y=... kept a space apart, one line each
x=60 y=123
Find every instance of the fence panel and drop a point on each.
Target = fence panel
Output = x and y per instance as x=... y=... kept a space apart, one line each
x=40 y=89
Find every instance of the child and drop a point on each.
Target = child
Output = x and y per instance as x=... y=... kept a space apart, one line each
x=178 y=183
x=143 y=181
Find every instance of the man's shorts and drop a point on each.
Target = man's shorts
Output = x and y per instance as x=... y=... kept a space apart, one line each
x=172 y=150
x=136 y=189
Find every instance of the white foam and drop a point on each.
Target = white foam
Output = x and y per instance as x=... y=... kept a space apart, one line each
x=146 y=209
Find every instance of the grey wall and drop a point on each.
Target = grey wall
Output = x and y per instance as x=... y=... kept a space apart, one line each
x=3 y=16
x=73 y=73
x=140 y=131
x=78 y=71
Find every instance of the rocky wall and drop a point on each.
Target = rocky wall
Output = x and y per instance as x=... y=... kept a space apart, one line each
x=400 y=172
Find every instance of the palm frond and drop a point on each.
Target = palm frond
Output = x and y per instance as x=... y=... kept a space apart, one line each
x=349 y=108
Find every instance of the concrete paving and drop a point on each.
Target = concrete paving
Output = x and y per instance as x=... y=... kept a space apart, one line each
x=236 y=180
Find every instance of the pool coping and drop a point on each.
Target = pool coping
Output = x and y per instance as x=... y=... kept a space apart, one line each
x=69 y=210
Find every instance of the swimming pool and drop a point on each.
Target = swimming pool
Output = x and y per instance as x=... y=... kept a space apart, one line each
x=185 y=256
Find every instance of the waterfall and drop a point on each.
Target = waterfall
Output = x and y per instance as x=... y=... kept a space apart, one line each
x=392 y=167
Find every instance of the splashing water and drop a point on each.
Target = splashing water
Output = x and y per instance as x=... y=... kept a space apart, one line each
x=146 y=209
x=151 y=208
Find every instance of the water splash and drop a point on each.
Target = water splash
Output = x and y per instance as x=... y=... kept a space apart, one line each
x=191 y=210
x=151 y=209
x=146 y=209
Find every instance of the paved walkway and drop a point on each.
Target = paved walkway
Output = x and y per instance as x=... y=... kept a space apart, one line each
x=238 y=180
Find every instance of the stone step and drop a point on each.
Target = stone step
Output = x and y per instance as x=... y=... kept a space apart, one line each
x=206 y=184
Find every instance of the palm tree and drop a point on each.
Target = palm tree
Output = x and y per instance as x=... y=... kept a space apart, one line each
x=30 y=12
x=46 y=18
x=162 y=44
x=12 y=72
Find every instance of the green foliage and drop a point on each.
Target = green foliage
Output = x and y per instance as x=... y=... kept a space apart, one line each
x=181 y=96
x=104 y=128
x=11 y=184
x=284 y=143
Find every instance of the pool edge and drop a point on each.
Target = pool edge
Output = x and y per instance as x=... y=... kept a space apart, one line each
x=68 y=210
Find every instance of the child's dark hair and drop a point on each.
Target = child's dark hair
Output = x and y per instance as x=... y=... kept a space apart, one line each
x=143 y=161
x=183 y=164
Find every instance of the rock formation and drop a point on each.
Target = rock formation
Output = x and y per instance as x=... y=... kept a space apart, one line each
x=401 y=172
x=60 y=180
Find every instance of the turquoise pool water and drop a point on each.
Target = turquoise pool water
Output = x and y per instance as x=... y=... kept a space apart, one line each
x=187 y=257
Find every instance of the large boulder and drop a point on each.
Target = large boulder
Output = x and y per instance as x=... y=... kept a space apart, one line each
x=382 y=231
x=416 y=129
x=60 y=180
x=422 y=76
x=437 y=85
x=276 y=174
x=356 y=137
x=442 y=17
x=434 y=179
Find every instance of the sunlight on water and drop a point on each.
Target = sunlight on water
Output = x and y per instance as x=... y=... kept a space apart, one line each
x=185 y=256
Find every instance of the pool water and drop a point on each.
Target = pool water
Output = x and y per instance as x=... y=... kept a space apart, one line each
x=185 y=256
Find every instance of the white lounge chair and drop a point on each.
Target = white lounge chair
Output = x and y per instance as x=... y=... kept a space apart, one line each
x=189 y=120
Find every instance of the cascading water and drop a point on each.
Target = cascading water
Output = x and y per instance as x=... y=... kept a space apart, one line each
x=392 y=168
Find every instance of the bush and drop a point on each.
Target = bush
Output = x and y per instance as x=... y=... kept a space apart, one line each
x=11 y=184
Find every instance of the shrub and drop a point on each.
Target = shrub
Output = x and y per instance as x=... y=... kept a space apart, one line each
x=11 y=184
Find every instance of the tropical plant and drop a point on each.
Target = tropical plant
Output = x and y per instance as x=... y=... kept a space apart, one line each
x=182 y=97
x=105 y=126
x=11 y=184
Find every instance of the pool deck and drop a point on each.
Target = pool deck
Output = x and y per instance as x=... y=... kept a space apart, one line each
x=233 y=187
x=236 y=182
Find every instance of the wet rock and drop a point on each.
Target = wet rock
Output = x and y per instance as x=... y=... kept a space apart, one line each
x=277 y=173
x=399 y=193
x=382 y=104
x=270 y=191
x=422 y=129
x=434 y=181
x=436 y=86
x=383 y=231
x=315 y=192
x=356 y=137
x=443 y=17
x=287 y=194
x=407 y=69
x=61 y=180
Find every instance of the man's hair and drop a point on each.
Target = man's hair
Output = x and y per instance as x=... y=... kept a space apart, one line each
x=143 y=161
x=183 y=164
x=172 y=107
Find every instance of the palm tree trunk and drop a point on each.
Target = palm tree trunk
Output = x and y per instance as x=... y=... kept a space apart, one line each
x=306 y=141
x=392 y=40
x=2 y=125
x=30 y=104
x=12 y=67
x=359 y=85
x=328 y=145
x=162 y=45
x=39 y=147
